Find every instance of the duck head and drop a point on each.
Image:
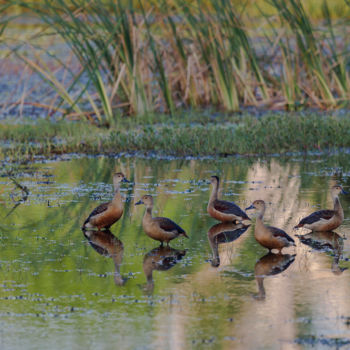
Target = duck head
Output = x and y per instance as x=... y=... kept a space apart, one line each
x=214 y=180
x=258 y=204
x=118 y=178
x=147 y=200
x=336 y=190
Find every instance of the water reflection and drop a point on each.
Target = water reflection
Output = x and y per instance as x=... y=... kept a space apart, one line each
x=224 y=232
x=106 y=244
x=160 y=259
x=270 y=264
x=189 y=301
x=325 y=241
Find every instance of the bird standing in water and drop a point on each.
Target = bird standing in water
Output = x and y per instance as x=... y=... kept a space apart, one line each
x=106 y=214
x=222 y=210
x=326 y=220
x=159 y=228
x=268 y=236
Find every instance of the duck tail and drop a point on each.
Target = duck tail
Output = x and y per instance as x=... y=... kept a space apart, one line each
x=184 y=234
x=298 y=226
x=84 y=224
x=246 y=217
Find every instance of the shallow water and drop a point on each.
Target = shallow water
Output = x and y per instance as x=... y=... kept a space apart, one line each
x=58 y=291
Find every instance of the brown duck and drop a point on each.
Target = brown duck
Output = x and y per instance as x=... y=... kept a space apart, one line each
x=159 y=228
x=326 y=220
x=106 y=214
x=268 y=236
x=270 y=264
x=324 y=241
x=224 y=232
x=106 y=244
x=222 y=210
x=160 y=259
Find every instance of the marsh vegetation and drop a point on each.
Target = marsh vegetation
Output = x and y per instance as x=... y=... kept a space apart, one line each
x=166 y=92
x=190 y=135
x=136 y=58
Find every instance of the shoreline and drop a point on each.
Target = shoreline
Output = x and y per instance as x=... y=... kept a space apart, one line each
x=227 y=136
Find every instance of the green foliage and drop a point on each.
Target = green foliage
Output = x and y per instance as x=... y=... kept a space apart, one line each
x=144 y=57
x=272 y=133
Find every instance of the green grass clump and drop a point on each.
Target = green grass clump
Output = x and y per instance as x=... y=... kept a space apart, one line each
x=226 y=135
x=144 y=57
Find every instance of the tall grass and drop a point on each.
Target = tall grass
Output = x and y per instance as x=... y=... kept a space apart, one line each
x=142 y=57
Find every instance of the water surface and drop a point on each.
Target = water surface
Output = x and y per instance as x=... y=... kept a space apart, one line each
x=217 y=290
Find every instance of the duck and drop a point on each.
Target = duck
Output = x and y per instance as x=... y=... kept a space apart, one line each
x=224 y=232
x=268 y=236
x=324 y=241
x=159 y=228
x=326 y=220
x=106 y=214
x=160 y=259
x=270 y=264
x=106 y=244
x=221 y=210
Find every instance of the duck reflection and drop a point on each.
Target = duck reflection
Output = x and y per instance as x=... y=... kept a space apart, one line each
x=223 y=233
x=106 y=244
x=270 y=264
x=160 y=259
x=325 y=241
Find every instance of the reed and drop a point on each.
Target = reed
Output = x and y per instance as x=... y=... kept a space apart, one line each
x=141 y=57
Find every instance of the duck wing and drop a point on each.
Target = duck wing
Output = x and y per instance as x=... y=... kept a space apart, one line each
x=276 y=232
x=98 y=210
x=230 y=236
x=317 y=216
x=168 y=225
x=99 y=249
x=229 y=208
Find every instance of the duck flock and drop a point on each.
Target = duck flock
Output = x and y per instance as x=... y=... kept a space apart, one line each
x=228 y=213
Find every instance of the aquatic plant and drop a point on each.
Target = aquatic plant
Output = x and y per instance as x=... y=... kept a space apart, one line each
x=140 y=57
x=246 y=135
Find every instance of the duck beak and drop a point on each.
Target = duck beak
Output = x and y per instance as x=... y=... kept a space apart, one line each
x=125 y=180
x=344 y=192
x=139 y=202
x=250 y=207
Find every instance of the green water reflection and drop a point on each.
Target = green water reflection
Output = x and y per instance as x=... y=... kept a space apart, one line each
x=60 y=291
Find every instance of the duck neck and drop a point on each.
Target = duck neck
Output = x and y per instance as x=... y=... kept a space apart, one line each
x=215 y=249
x=118 y=279
x=148 y=271
x=259 y=223
x=148 y=212
x=214 y=192
x=117 y=199
x=261 y=214
x=117 y=256
x=260 y=281
x=337 y=206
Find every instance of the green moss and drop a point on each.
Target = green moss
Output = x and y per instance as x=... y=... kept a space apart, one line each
x=180 y=136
